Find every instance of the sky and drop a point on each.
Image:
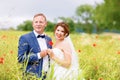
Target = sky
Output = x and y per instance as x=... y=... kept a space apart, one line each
x=15 y=12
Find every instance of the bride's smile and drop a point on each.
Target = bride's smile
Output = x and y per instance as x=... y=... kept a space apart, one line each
x=60 y=33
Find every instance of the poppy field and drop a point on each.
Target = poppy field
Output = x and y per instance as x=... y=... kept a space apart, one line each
x=99 y=55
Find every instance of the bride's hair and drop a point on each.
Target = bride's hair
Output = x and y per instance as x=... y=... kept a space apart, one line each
x=65 y=26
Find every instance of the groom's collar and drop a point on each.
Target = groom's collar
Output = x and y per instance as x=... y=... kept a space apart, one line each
x=36 y=34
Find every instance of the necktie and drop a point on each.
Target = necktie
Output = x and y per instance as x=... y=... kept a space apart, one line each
x=41 y=36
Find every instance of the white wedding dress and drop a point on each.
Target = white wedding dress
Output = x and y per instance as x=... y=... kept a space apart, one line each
x=62 y=73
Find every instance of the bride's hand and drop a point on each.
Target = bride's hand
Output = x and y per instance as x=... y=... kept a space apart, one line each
x=50 y=52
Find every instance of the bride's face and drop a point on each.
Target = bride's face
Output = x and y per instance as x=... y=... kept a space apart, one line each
x=59 y=33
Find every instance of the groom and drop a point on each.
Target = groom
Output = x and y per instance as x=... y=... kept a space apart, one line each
x=31 y=48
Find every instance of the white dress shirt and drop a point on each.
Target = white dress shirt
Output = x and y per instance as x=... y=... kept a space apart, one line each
x=43 y=46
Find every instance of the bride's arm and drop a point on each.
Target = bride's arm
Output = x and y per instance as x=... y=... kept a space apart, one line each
x=66 y=62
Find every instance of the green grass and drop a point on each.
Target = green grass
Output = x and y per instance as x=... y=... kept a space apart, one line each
x=99 y=55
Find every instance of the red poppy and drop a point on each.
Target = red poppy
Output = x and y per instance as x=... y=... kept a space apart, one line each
x=3 y=37
x=118 y=52
x=50 y=43
x=100 y=78
x=11 y=52
x=96 y=67
x=96 y=37
x=4 y=55
x=94 y=45
x=1 y=60
x=79 y=50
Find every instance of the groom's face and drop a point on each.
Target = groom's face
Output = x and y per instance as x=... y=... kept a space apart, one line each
x=39 y=24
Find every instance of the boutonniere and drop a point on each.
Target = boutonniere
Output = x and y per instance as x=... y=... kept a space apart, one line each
x=50 y=43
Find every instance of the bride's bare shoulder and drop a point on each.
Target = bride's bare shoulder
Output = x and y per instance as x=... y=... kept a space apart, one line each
x=65 y=45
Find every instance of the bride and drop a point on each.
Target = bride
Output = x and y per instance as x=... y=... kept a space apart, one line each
x=63 y=55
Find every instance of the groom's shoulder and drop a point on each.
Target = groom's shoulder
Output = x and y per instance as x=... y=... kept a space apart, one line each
x=47 y=36
x=27 y=35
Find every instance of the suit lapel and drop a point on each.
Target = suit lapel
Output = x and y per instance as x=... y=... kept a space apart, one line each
x=36 y=45
x=46 y=39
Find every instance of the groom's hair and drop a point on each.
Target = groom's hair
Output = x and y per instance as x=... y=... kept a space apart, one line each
x=40 y=14
x=65 y=26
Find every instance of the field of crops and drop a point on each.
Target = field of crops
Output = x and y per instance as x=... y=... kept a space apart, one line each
x=99 y=55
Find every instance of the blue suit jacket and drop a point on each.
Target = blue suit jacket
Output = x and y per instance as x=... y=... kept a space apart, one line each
x=27 y=53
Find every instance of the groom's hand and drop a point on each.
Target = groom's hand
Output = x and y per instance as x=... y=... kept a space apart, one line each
x=43 y=53
x=50 y=52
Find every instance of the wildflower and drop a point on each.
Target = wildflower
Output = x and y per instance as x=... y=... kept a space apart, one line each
x=100 y=79
x=118 y=52
x=96 y=67
x=96 y=37
x=3 y=37
x=94 y=45
x=11 y=52
x=50 y=43
x=1 y=60
x=4 y=55
x=79 y=50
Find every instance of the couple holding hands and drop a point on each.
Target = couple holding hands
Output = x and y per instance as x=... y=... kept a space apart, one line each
x=37 y=54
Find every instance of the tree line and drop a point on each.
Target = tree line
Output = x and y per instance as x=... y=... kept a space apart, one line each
x=90 y=19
